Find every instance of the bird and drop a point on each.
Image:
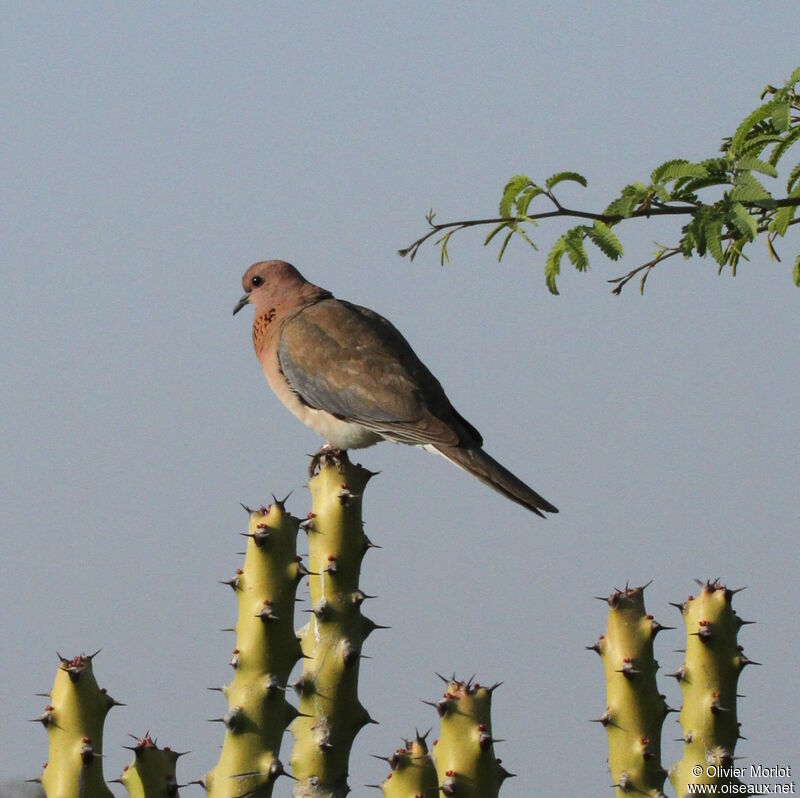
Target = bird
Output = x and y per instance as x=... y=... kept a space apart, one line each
x=347 y=373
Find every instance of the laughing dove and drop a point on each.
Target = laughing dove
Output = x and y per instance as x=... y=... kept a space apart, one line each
x=347 y=373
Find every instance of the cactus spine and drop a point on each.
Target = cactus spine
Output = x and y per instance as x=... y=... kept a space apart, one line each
x=635 y=710
x=331 y=714
x=413 y=772
x=74 y=721
x=466 y=765
x=152 y=772
x=708 y=679
x=266 y=651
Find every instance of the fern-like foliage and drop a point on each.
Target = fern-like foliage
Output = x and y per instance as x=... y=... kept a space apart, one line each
x=727 y=199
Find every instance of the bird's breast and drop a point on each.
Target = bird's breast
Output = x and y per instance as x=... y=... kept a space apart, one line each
x=261 y=326
x=340 y=433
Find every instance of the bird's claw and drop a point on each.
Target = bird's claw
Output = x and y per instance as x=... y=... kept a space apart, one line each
x=327 y=454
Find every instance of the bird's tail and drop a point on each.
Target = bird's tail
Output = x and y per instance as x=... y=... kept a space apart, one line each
x=491 y=473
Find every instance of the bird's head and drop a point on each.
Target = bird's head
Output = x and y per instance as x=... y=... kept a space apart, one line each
x=271 y=281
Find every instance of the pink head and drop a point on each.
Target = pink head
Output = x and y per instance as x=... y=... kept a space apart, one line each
x=272 y=282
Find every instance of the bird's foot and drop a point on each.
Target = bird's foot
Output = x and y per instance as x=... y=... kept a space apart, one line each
x=327 y=454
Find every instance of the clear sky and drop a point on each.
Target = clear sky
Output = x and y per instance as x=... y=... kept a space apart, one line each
x=150 y=152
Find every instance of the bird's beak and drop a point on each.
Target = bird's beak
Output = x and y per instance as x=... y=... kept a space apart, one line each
x=245 y=300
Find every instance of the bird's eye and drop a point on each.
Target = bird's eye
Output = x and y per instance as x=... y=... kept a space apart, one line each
x=257 y=281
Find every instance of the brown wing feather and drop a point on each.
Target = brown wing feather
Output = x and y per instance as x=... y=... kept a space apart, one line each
x=354 y=364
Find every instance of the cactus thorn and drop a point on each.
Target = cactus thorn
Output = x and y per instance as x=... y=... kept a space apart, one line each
x=743 y=661
x=604 y=720
x=595 y=648
x=368 y=544
x=249 y=512
x=35 y=780
x=216 y=689
x=267 y=614
x=624 y=782
x=281 y=503
x=628 y=669
x=656 y=627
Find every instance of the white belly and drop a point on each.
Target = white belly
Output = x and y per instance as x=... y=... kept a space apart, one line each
x=339 y=434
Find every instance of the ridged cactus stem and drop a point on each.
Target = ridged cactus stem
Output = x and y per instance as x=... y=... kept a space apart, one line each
x=152 y=772
x=331 y=714
x=708 y=680
x=413 y=772
x=635 y=710
x=466 y=765
x=266 y=651
x=74 y=721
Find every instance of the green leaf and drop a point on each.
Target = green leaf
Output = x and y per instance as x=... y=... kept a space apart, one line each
x=796 y=272
x=748 y=124
x=756 y=143
x=718 y=166
x=743 y=221
x=748 y=189
x=780 y=116
x=784 y=144
x=679 y=167
x=604 y=237
x=552 y=266
x=622 y=206
x=505 y=244
x=713 y=240
x=632 y=195
x=793 y=78
x=576 y=251
x=752 y=164
x=512 y=188
x=691 y=185
x=494 y=232
x=560 y=177
x=780 y=221
x=524 y=198
x=794 y=176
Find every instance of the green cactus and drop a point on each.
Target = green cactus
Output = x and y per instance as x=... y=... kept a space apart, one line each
x=266 y=651
x=331 y=714
x=413 y=771
x=635 y=710
x=152 y=772
x=708 y=680
x=74 y=720
x=466 y=765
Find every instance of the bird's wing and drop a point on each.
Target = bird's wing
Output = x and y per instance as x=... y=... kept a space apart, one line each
x=351 y=362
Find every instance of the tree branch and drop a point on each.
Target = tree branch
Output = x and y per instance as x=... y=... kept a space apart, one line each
x=561 y=211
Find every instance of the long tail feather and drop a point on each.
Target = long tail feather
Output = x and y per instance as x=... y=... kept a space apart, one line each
x=496 y=476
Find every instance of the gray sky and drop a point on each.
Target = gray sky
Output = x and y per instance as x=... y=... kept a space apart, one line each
x=151 y=152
